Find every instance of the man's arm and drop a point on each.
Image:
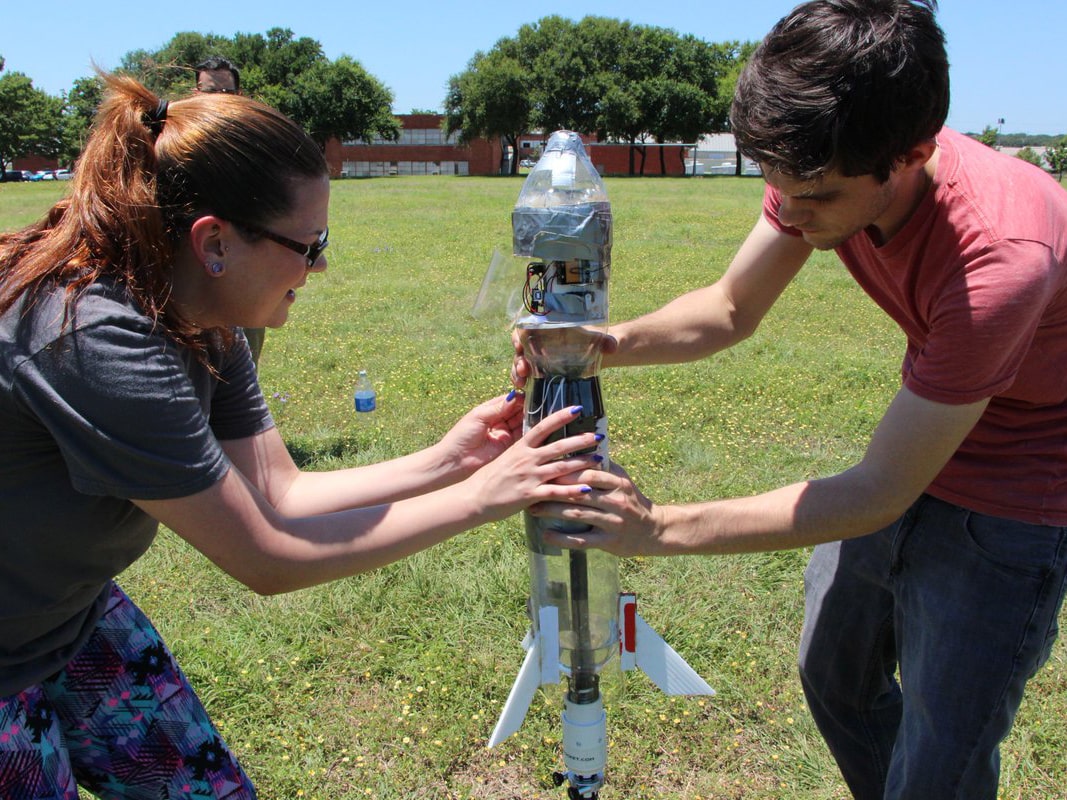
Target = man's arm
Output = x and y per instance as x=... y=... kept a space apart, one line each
x=910 y=446
x=718 y=316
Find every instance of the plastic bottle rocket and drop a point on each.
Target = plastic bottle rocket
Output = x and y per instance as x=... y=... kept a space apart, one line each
x=581 y=625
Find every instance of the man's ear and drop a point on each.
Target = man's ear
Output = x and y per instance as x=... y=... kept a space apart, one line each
x=918 y=155
x=206 y=238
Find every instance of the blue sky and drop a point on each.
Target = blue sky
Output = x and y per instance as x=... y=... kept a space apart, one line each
x=1007 y=58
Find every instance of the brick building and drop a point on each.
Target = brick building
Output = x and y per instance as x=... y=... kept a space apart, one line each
x=34 y=163
x=423 y=149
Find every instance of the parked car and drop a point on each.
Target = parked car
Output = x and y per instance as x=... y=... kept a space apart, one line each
x=42 y=175
x=11 y=175
x=63 y=175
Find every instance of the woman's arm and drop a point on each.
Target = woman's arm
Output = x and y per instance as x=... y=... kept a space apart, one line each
x=238 y=527
x=480 y=436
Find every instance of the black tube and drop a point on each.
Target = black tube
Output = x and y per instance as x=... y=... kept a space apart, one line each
x=584 y=683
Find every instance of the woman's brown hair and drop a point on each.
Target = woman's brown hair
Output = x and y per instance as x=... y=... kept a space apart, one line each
x=148 y=171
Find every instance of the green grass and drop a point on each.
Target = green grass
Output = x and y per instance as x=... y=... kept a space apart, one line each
x=387 y=685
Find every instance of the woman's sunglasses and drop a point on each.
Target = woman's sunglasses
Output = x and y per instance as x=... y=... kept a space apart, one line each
x=312 y=252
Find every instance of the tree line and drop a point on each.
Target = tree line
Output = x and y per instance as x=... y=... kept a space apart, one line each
x=1054 y=158
x=328 y=98
x=600 y=76
x=620 y=81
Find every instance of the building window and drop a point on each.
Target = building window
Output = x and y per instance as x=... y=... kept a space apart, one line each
x=378 y=169
x=412 y=136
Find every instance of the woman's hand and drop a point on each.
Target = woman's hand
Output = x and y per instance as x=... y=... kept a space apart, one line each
x=532 y=471
x=482 y=434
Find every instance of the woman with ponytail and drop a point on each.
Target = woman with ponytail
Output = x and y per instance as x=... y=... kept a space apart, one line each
x=128 y=398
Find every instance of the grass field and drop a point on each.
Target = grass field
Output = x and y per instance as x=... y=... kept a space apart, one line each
x=387 y=685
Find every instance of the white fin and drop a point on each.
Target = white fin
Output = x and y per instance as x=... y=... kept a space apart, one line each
x=522 y=693
x=662 y=664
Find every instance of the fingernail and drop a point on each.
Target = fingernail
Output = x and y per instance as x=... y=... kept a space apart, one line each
x=598 y=458
x=587 y=489
x=510 y=397
x=598 y=438
x=576 y=410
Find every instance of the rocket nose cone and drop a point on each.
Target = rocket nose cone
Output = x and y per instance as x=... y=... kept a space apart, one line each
x=565 y=141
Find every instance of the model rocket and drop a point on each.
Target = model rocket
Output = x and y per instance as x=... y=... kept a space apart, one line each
x=581 y=624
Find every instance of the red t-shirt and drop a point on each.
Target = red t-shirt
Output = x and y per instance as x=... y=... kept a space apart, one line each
x=977 y=280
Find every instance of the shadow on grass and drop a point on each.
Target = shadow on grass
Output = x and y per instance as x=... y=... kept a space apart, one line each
x=311 y=453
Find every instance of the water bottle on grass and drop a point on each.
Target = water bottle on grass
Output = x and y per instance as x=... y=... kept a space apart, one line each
x=366 y=399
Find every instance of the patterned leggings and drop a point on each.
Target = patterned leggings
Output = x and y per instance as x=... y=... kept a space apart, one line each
x=120 y=720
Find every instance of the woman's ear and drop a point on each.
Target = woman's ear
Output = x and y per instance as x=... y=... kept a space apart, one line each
x=206 y=239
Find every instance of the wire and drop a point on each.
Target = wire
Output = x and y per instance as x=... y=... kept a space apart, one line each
x=549 y=404
x=545 y=281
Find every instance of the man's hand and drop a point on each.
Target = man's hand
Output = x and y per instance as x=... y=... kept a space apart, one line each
x=580 y=343
x=625 y=522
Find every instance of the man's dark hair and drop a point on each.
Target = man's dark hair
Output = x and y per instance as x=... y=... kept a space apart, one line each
x=845 y=85
x=213 y=63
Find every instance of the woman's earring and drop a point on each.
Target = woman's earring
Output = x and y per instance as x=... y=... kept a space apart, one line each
x=215 y=267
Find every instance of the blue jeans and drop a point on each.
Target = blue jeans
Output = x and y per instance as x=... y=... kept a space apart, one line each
x=965 y=605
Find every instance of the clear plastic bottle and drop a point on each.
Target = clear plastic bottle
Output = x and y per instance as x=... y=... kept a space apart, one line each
x=562 y=225
x=366 y=398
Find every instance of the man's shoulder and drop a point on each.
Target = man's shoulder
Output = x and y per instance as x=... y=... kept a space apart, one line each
x=1006 y=197
x=966 y=157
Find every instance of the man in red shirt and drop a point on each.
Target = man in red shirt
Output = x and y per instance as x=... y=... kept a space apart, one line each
x=943 y=552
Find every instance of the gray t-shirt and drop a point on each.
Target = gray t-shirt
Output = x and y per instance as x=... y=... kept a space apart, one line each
x=93 y=413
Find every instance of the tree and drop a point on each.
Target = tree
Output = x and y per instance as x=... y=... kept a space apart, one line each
x=342 y=99
x=1029 y=155
x=328 y=98
x=598 y=76
x=623 y=117
x=31 y=121
x=490 y=99
x=659 y=86
x=1056 y=157
x=169 y=71
x=988 y=136
x=80 y=107
x=682 y=113
x=737 y=55
x=683 y=106
x=562 y=59
x=271 y=65
x=637 y=90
